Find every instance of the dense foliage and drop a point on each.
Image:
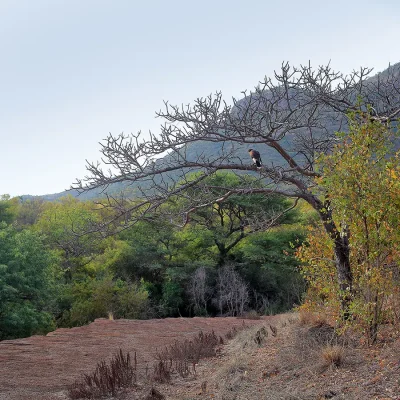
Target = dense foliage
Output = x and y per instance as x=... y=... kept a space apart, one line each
x=27 y=278
x=361 y=181
x=232 y=257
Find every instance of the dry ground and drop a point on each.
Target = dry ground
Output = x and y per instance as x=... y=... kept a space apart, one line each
x=41 y=367
x=296 y=362
x=274 y=358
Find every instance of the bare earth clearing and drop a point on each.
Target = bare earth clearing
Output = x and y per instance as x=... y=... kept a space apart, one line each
x=41 y=367
x=275 y=358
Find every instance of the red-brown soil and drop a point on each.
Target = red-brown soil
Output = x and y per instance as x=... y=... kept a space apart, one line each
x=41 y=367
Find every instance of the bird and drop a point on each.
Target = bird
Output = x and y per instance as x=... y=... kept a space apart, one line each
x=255 y=155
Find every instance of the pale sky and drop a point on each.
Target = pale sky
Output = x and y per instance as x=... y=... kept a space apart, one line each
x=71 y=71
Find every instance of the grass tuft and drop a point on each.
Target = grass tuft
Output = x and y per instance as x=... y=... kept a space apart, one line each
x=333 y=355
x=312 y=319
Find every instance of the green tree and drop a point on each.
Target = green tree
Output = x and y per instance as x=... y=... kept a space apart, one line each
x=7 y=209
x=65 y=224
x=360 y=181
x=231 y=220
x=267 y=262
x=29 y=211
x=27 y=284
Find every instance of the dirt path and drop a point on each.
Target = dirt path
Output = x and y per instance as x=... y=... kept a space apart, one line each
x=40 y=367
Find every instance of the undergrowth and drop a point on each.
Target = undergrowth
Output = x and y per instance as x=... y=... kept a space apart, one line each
x=107 y=379
x=182 y=357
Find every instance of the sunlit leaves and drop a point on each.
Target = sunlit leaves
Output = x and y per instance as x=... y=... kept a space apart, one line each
x=360 y=181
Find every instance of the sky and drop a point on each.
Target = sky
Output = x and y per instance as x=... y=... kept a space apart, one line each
x=71 y=71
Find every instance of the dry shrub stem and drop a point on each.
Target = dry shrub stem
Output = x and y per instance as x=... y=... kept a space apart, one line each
x=182 y=357
x=107 y=379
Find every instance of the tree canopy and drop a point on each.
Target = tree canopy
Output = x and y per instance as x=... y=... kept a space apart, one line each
x=294 y=114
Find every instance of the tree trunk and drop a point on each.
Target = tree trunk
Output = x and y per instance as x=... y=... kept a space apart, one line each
x=344 y=273
x=341 y=250
x=222 y=253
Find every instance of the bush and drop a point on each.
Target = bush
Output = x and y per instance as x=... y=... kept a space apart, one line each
x=182 y=357
x=107 y=379
x=96 y=298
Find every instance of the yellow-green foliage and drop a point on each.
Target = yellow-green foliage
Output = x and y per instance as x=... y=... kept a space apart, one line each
x=361 y=180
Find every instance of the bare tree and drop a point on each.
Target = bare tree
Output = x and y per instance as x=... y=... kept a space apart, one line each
x=232 y=292
x=199 y=290
x=294 y=115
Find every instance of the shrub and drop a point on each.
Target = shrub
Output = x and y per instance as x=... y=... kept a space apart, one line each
x=154 y=395
x=107 y=379
x=96 y=298
x=182 y=357
x=312 y=318
x=162 y=371
x=234 y=331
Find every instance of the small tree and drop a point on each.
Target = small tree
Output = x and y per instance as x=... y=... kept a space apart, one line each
x=232 y=292
x=29 y=211
x=7 y=209
x=27 y=284
x=63 y=223
x=360 y=180
x=199 y=291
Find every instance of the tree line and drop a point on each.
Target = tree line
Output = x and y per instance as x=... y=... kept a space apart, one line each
x=213 y=234
x=232 y=257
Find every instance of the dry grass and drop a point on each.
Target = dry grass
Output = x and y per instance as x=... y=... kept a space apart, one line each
x=333 y=355
x=234 y=331
x=301 y=353
x=249 y=339
x=251 y=315
x=313 y=346
x=308 y=318
x=231 y=379
x=289 y=359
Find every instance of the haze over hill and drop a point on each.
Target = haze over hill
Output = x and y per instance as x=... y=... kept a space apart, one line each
x=212 y=150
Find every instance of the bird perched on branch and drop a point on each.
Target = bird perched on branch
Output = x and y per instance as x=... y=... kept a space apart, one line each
x=255 y=155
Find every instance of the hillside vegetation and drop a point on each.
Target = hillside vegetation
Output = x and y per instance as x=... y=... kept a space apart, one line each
x=232 y=258
x=204 y=232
